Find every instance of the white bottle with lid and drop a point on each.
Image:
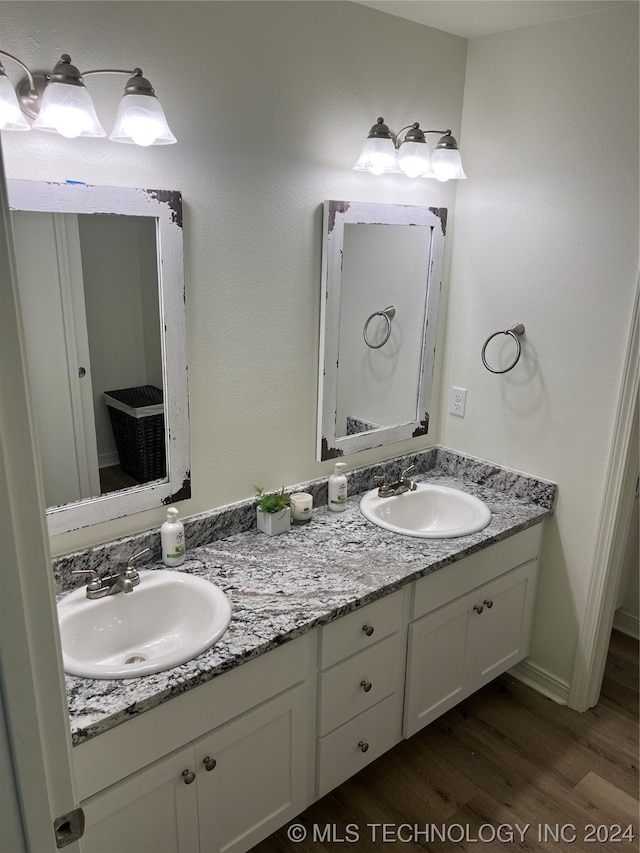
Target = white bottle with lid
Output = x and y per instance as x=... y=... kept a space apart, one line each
x=338 y=488
x=172 y=539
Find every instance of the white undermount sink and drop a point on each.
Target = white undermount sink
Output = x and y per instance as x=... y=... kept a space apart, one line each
x=168 y=619
x=429 y=512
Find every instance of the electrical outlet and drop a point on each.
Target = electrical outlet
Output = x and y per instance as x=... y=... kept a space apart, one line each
x=458 y=401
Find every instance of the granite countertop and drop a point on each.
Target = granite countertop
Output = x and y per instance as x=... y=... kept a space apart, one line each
x=283 y=586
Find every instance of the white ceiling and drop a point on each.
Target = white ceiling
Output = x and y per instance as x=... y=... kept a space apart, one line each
x=474 y=18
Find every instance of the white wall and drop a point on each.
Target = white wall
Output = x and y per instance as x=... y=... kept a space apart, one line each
x=270 y=103
x=121 y=302
x=547 y=235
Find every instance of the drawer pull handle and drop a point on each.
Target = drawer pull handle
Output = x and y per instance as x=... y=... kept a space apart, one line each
x=368 y=629
x=488 y=603
x=188 y=776
x=478 y=608
x=363 y=746
x=209 y=763
x=366 y=685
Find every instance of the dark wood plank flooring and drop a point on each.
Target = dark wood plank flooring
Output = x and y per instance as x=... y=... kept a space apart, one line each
x=113 y=478
x=506 y=757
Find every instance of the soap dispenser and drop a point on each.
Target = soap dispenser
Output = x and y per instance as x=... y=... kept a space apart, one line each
x=338 y=489
x=172 y=539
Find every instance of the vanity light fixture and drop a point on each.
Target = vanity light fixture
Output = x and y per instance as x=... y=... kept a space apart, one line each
x=59 y=102
x=385 y=151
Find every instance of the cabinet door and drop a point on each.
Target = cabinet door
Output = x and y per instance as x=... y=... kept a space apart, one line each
x=463 y=645
x=253 y=773
x=436 y=664
x=500 y=625
x=152 y=811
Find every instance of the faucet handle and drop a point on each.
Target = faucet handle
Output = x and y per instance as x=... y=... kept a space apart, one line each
x=385 y=488
x=131 y=572
x=95 y=583
x=135 y=557
x=406 y=471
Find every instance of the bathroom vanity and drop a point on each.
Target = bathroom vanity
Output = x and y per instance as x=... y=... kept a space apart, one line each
x=350 y=637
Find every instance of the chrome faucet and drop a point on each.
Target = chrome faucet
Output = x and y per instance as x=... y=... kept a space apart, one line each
x=111 y=584
x=388 y=490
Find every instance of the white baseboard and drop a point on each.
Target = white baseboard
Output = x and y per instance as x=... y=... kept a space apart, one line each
x=106 y=460
x=627 y=623
x=542 y=681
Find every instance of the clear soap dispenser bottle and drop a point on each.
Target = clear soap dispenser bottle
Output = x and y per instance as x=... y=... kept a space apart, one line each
x=338 y=488
x=172 y=539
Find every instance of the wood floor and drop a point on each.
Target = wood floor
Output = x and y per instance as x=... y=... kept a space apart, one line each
x=503 y=760
x=113 y=478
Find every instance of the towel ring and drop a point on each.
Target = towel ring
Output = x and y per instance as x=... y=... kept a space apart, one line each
x=388 y=314
x=514 y=332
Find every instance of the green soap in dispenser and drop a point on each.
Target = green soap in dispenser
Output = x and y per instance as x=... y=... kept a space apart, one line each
x=338 y=489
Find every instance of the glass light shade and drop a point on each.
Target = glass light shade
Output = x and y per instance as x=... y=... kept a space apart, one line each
x=447 y=164
x=68 y=110
x=378 y=155
x=11 y=117
x=141 y=121
x=414 y=160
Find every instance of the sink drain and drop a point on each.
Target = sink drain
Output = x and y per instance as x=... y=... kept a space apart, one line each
x=135 y=659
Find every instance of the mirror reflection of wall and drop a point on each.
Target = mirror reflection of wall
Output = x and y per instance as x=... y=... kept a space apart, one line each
x=383 y=265
x=89 y=293
x=381 y=282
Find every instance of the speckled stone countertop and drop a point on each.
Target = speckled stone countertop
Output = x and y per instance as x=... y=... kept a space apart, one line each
x=283 y=586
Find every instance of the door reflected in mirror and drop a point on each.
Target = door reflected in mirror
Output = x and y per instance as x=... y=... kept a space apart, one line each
x=381 y=280
x=89 y=297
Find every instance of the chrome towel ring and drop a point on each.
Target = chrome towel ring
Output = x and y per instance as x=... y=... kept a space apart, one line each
x=388 y=314
x=514 y=332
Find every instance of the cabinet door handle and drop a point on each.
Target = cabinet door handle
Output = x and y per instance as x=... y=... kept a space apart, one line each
x=368 y=629
x=366 y=685
x=488 y=603
x=478 y=608
x=363 y=746
x=188 y=776
x=209 y=763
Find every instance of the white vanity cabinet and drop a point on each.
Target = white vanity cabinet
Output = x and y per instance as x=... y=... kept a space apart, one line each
x=360 y=689
x=225 y=790
x=222 y=766
x=476 y=625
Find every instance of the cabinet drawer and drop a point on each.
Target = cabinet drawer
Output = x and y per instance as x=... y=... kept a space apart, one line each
x=358 y=683
x=443 y=586
x=340 y=754
x=360 y=629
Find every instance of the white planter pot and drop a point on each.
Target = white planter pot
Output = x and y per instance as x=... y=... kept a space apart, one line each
x=273 y=523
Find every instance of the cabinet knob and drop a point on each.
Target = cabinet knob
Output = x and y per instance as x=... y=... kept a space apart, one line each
x=188 y=776
x=368 y=629
x=363 y=746
x=366 y=685
x=478 y=608
x=488 y=603
x=209 y=763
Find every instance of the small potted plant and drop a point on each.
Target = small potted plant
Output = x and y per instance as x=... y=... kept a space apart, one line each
x=273 y=513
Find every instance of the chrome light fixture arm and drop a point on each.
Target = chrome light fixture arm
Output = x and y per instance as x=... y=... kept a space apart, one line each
x=22 y=65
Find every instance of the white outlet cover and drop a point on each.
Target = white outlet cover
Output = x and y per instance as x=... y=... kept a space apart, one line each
x=458 y=401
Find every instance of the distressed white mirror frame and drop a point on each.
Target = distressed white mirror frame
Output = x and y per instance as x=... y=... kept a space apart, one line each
x=337 y=214
x=166 y=208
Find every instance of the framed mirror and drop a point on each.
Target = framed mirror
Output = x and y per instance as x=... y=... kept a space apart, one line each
x=101 y=281
x=381 y=282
